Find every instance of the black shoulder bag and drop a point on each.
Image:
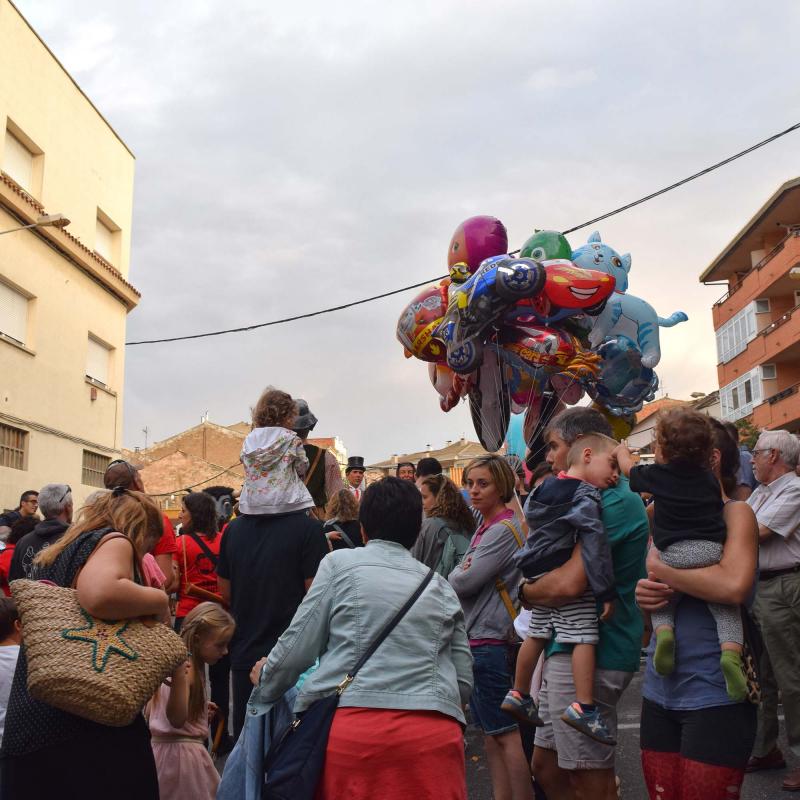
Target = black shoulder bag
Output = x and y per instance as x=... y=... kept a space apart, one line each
x=293 y=764
x=203 y=546
x=345 y=538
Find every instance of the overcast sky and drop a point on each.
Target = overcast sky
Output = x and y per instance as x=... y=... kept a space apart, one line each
x=299 y=155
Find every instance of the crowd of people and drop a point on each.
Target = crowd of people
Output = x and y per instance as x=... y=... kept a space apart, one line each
x=528 y=594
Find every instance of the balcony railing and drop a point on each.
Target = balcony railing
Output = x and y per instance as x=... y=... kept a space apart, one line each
x=783 y=394
x=756 y=267
x=778 y=322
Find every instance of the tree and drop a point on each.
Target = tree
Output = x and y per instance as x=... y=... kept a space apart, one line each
x=748 y=433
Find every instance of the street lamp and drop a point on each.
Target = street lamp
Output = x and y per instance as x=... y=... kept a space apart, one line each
x=44 y=221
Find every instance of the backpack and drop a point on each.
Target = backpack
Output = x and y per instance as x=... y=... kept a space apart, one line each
x=453 y=548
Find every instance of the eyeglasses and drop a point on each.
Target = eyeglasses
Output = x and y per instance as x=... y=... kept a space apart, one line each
x=64 y=496
x=763 y=450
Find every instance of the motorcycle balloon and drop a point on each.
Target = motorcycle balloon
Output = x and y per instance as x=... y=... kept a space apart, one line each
x=622 y=385
x=489 y=403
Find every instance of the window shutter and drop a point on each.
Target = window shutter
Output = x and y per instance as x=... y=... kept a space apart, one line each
x=97 y=361
x=18 y=161
x=13 y=313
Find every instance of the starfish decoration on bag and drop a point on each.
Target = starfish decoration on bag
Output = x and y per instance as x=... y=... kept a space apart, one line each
x=105 y=638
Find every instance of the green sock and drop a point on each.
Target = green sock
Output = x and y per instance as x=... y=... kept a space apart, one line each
x=664 y=655
x=735 y=680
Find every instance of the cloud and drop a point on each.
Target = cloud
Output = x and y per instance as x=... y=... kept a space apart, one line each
x=296 y=156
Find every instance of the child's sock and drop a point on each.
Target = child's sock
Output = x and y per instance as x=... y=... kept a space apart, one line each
x=664 y=655
x=587 y=708
x=733 y=670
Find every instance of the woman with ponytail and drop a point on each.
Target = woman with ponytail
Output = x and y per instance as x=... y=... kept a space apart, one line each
x=447 y=526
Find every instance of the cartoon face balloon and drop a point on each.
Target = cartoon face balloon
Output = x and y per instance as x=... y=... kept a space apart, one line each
x=623 y=385
x=546 y=245
x=419 y=321
x=475 y=240
x=596 y=255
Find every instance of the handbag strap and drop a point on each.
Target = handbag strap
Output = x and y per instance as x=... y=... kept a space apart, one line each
x=202 y=545
x=500 y=584
x=347 y=540
x=388 y=628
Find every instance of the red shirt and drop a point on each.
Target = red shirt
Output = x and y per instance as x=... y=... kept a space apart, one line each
x=5 y=563
x=199 y=570
x=166 y=544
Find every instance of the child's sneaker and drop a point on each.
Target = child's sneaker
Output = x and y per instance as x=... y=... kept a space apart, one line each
x=589 y=723
x=522 y=708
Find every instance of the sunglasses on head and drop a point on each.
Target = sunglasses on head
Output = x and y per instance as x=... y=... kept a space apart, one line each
x=64 y=496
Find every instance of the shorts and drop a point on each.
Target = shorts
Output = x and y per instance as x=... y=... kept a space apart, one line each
x=492 y=682
x=721 y=735
x=574 y=749
x=573 y=623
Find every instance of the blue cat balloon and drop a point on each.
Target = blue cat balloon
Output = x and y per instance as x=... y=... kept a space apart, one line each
x=624 y=314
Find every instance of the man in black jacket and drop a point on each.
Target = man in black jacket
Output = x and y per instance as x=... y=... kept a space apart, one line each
x=55 y=502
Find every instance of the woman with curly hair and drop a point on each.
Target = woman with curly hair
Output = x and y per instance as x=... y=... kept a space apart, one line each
x=447 y=526
x=342 y=530
x=274 y=459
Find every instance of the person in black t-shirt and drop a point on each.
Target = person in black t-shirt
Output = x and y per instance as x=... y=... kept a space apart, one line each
x=688 y=529
x=266 y=565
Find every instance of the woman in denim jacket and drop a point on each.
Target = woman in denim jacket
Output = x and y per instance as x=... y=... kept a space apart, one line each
x=397 y=732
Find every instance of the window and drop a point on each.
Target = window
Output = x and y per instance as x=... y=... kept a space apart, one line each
x=768 y=372
x=762 y=305
x=18 y=162
x=13 y=447
x=106 y=237
x=13 y=313
x=97 y=358
x=94 y=467
x=740 y=396
x=733 y=336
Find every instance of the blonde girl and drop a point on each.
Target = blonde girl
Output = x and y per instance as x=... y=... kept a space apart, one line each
x=179 y=713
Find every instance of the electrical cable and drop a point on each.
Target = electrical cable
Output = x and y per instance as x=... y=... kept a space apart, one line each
x=608 y=214
x=194 y=485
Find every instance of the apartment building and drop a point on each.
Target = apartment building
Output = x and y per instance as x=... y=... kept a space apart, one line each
x=64 y=293
x=757 y=320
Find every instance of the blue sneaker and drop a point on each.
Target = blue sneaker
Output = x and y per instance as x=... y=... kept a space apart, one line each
x=522 y=708
x=589 y=723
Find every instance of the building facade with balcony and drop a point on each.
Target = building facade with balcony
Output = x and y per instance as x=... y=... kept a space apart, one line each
x=757 y=320
x=64 y=293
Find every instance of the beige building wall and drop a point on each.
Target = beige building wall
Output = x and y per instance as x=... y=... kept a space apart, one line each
x=84 y=171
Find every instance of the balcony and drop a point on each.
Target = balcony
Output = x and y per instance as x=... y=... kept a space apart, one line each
x=782 y=410
x=768 y=278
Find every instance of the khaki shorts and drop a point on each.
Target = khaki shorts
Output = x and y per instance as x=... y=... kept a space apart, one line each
x=576 y=750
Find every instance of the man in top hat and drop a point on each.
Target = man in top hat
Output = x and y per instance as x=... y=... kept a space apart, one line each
x=323 y=478
x=354 y=473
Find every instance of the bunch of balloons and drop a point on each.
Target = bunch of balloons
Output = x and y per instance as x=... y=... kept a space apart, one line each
x=530 y=334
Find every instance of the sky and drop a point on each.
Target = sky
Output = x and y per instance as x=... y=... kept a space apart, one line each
x=296 y=156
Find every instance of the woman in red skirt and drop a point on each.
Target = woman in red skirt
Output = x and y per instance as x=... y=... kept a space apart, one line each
x=398 y=730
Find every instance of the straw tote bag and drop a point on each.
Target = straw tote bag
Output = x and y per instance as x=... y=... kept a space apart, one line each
x=101 y=670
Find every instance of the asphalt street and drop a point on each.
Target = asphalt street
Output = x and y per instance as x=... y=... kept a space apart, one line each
x=757 y=786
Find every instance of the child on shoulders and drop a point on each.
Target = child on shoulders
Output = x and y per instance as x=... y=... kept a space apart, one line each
x=561 y=512
x=274 y=459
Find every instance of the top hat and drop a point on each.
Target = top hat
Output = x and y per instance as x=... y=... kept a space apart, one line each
x=305 y=419
x=354 y=462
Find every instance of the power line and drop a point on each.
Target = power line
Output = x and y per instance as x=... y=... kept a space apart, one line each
x=195 y=485
x=608 y=214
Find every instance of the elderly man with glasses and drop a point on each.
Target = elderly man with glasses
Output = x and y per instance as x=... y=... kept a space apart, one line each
x=55 y=503
x=776 y=503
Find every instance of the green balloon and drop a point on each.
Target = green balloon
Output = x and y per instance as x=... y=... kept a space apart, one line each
x=546 y=245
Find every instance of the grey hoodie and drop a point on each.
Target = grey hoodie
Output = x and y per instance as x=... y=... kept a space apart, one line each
x=485 y=614
x=562 y=512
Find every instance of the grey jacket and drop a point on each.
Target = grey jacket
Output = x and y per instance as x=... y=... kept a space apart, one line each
x=560 y=513
x=485 y=614
x=425 y=663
